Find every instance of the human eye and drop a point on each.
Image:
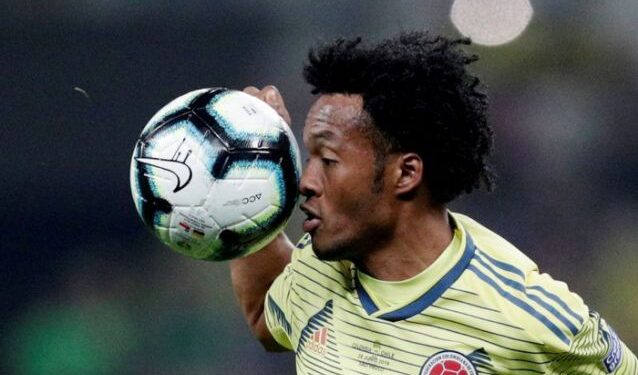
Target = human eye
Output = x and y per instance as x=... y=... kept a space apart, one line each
x=328 y=162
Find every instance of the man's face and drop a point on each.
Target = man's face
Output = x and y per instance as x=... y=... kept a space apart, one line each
x=346 y=214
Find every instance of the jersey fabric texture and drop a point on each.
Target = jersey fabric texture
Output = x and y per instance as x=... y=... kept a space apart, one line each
x=482 y=308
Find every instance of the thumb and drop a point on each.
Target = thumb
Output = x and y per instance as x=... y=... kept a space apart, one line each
x=273 y=97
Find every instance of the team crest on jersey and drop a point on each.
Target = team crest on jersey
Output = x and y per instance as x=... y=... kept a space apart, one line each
x=448 y=362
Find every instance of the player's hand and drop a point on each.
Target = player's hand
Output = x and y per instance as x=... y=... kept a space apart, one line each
x=270 y=95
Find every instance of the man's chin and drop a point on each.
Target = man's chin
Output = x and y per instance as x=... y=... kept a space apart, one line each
x=329 y=252
x=327 y=255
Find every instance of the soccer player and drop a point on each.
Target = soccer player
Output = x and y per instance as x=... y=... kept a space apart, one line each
x=387 y=280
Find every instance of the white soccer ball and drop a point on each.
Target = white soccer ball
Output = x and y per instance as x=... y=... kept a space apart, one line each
x=214 y=174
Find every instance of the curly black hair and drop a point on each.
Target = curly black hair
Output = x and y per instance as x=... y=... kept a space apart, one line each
x=420 y=97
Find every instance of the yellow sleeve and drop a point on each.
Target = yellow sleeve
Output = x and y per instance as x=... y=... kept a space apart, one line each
x=596 y=349
x=278 y=308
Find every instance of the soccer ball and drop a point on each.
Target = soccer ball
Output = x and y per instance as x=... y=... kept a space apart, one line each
x=214 y=174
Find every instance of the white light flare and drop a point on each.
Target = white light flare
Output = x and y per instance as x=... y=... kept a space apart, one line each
x=491 y=22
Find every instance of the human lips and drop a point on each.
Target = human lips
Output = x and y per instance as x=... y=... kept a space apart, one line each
x=312 y=221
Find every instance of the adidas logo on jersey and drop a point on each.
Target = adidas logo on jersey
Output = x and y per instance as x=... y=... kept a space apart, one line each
x=317 y=341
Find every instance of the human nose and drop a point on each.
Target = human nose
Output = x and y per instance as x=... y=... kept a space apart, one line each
x=309 y=184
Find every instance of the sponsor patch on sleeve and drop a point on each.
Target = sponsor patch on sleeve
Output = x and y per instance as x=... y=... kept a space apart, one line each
x=612 y=359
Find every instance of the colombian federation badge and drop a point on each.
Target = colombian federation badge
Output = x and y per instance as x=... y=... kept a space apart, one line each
x=448 y=363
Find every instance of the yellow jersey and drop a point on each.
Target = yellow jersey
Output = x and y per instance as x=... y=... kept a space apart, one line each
x=482 y=307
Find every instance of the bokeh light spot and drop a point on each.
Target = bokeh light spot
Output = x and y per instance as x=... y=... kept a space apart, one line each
x=491 y=22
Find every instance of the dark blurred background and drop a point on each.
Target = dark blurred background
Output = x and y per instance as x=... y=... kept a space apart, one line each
x=87 y=289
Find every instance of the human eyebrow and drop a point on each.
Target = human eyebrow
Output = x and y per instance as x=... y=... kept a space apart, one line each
x=321 y=138
x=326 y=138
x=323 y=135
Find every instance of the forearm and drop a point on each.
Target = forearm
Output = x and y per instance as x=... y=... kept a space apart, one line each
x=252 y=276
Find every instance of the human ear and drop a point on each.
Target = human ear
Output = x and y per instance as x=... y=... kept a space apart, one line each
x=409 y=173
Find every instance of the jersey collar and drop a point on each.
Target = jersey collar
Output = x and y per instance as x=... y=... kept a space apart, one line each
x=432 y=294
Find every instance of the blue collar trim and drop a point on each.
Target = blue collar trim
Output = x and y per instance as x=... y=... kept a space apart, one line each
x=428 y=298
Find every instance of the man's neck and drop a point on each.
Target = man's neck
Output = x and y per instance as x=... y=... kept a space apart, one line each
x=419 y=239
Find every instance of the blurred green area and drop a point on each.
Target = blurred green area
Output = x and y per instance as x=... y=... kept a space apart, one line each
x=85 y=339
x=178 y=316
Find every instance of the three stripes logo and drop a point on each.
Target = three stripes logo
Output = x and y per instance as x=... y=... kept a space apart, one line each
x=315 y=336
x=317 y=341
